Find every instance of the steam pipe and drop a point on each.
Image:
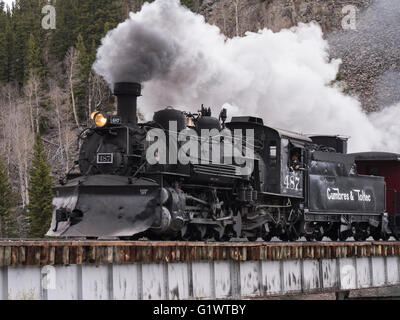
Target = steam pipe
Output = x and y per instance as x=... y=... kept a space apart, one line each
x=127 y=93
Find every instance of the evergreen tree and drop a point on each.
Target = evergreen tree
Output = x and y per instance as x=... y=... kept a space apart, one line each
x=22 y=29
x=24 y=41
x=7 y=44
x=85 y=61
x=3 y=48
x=26 y=20
x=3 y=59
x=64 y=37
x=84 y=69
x=33 y=57
x=8 y=227
x=94 y=19
x=188 y=3
x=9 y=75
x=91 y=19
x=40 y=192
x=97 y=17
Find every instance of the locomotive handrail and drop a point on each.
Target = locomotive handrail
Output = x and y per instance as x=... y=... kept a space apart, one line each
x=395 y=199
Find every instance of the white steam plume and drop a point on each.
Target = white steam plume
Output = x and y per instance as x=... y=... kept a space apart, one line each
x=282 y=77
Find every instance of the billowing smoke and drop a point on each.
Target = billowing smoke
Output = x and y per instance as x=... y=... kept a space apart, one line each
x=135 y=52
x=284 y=77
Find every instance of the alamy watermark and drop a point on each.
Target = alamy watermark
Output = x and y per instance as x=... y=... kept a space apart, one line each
x=49 y=20
x=347 y=277
x=204 y=147
x=49 y=278
x=349 y=21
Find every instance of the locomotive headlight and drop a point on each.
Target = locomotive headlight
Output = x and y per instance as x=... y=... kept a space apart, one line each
x=100 y=120
x=93 y=114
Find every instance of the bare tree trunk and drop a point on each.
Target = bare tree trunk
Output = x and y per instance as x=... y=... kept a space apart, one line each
x=32 y=91
x=196 y=6
x=237 y=16
x=222 y=12
x=60 y=142
x=89 y=97
x=26 y=172
x=71 y=60
x=30 y=94
x=20 y=161
x=10 y=107
x=67 y=140
x=37 y=105
x=61 y=118
x=73 y=101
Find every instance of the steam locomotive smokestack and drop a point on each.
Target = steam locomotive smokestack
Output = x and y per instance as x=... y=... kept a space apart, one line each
x=127 y=93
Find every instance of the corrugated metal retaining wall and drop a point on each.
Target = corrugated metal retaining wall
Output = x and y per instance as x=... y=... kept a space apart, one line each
x=187 y=270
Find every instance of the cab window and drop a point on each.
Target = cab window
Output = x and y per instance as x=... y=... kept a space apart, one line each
x=273 y=153
x=295 y=155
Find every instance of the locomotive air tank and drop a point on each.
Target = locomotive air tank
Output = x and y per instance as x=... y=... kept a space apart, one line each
x=104 y=200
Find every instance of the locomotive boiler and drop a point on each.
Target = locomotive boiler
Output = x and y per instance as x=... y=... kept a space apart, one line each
x=132 y=182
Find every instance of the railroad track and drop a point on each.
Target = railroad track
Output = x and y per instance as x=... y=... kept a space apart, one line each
x=233 y=241
x=64 y=252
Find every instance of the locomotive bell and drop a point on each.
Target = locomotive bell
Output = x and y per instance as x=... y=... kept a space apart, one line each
x=127 y=93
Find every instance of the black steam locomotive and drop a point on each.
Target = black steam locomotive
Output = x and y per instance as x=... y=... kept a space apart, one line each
x=298 y=186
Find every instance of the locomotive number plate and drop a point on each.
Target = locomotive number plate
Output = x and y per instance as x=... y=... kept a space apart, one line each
x=115 y=120
x=105 y=158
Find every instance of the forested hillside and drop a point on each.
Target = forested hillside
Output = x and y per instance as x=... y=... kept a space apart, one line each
x=47 y=88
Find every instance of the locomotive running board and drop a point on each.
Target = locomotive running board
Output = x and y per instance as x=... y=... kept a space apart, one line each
x=104 y=206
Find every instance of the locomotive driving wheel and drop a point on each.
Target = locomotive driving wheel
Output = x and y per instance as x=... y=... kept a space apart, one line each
x=252 y=238
x=396 y=233
x=267 y=237
x=385 y=236
x=218 y=232
x=201 y=232
x=319 y=237
x=343 y=236
x=185 y=233
x=266 y=234
x=193 y=233
x=332 y=231
x=359 y=236
x=361 y=232
x=333 y=235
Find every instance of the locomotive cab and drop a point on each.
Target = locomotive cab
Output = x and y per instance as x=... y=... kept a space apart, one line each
x=275 y=149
